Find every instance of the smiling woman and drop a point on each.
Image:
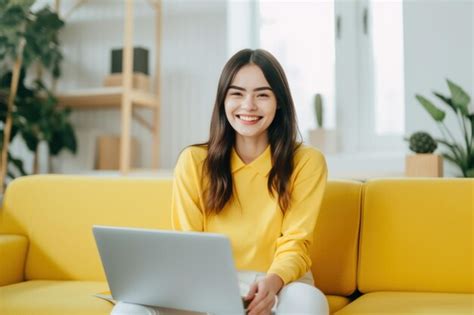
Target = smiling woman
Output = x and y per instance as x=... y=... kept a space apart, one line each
x=254 y=182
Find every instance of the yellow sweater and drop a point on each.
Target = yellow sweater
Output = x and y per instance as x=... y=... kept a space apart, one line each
x=262 y=238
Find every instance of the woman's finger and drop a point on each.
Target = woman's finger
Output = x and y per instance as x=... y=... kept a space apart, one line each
x=264 y=307
x=252 y=290
x=262 y=293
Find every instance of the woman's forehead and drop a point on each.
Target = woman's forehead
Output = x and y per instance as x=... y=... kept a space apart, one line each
x=250 y=76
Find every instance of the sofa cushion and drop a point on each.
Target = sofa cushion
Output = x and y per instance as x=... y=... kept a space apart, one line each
x=56 y=213
x=334 y=252
x=73 y=297
x=12 y=262
x=53 y=298
x=417 y=235
x=410 y=303
x=336 y=302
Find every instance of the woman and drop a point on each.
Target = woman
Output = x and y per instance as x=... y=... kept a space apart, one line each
x=253 y=182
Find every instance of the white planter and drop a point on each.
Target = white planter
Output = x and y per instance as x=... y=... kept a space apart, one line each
x=324 y=139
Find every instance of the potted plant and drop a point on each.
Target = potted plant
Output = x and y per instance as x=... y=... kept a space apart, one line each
x=424 y=163
x=322 y=138
x=29 y=41
x=461 y=154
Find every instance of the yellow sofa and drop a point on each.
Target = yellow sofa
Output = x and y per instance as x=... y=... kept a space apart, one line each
x=398 y=246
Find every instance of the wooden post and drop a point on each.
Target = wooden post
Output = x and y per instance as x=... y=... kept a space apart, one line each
x=9 y=120
x=155 y=154
x=127 y=69
x=57 y=6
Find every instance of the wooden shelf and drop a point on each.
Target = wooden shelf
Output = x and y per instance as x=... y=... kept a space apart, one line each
x=105 y=98
x=125 y=98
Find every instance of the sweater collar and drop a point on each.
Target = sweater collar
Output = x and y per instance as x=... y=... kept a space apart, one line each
x=262 y=164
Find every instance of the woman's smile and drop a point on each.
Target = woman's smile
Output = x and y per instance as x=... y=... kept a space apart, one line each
x=249 y=119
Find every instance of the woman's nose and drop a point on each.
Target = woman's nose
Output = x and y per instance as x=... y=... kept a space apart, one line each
x=248 y=103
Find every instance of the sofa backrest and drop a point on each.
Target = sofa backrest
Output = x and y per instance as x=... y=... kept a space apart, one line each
x=334 y=254
x=417 y=235
x=57 y=212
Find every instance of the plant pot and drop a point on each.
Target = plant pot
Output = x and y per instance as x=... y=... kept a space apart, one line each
x=324 y=139
x=424 y=165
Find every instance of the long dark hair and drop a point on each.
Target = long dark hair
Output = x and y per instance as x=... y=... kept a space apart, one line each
x=282 y=134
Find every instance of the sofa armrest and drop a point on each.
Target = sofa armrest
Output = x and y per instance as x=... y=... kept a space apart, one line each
x=12 y=258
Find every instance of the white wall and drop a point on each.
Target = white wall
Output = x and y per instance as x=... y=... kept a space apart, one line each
x=194 y=52
x=439 y=39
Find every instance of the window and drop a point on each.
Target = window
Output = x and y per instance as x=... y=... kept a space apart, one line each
x=381 y=74
x=301 y=36
x=351 y=52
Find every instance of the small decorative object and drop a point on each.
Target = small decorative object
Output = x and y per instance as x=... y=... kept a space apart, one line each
x=422 y=142
x=460 y=153
x=140 y=77
x=322 y=138
x=140 y=60
x=424 y=163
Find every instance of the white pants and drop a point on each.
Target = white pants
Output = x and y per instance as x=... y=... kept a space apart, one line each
x=297 y=298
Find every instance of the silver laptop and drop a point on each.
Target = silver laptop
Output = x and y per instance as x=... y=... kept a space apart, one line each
x=181 y=270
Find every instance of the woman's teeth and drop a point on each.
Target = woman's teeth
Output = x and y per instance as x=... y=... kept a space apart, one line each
x=249 y=118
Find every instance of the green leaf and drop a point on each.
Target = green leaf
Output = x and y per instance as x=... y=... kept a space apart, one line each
x=24 y=3
x=454 y=161
x=13 y=15
x=18 y=164
x=46 y=19
x=470 y=172
x=31 y=139
x=459 y=154
x=436 y=113
x=3 y=4
x=446 y=100
x=471 y=120
x=451 y=158
x=459 y=97
x=446 y=143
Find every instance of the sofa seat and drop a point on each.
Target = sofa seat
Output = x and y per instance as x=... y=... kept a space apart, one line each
x=336 y=302
x=408 y=303
x=41 y=297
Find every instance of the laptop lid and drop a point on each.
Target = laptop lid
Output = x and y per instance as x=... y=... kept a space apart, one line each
x=183 y=270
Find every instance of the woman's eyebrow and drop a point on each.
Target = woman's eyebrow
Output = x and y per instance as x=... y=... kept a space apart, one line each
x=255 y=90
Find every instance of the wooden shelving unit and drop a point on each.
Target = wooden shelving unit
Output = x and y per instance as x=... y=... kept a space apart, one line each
x=125 y=98
x=105 y=98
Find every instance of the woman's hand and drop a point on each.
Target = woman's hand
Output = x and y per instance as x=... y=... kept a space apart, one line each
x=263 y=295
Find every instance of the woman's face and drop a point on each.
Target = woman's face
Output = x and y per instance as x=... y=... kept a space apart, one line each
x=250 y=104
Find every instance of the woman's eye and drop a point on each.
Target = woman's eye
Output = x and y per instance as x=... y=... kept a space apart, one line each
x=236 y=93
x=262 y=95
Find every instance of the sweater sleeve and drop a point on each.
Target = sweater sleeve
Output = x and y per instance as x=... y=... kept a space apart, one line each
x=186 y=207
x=292 y=258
